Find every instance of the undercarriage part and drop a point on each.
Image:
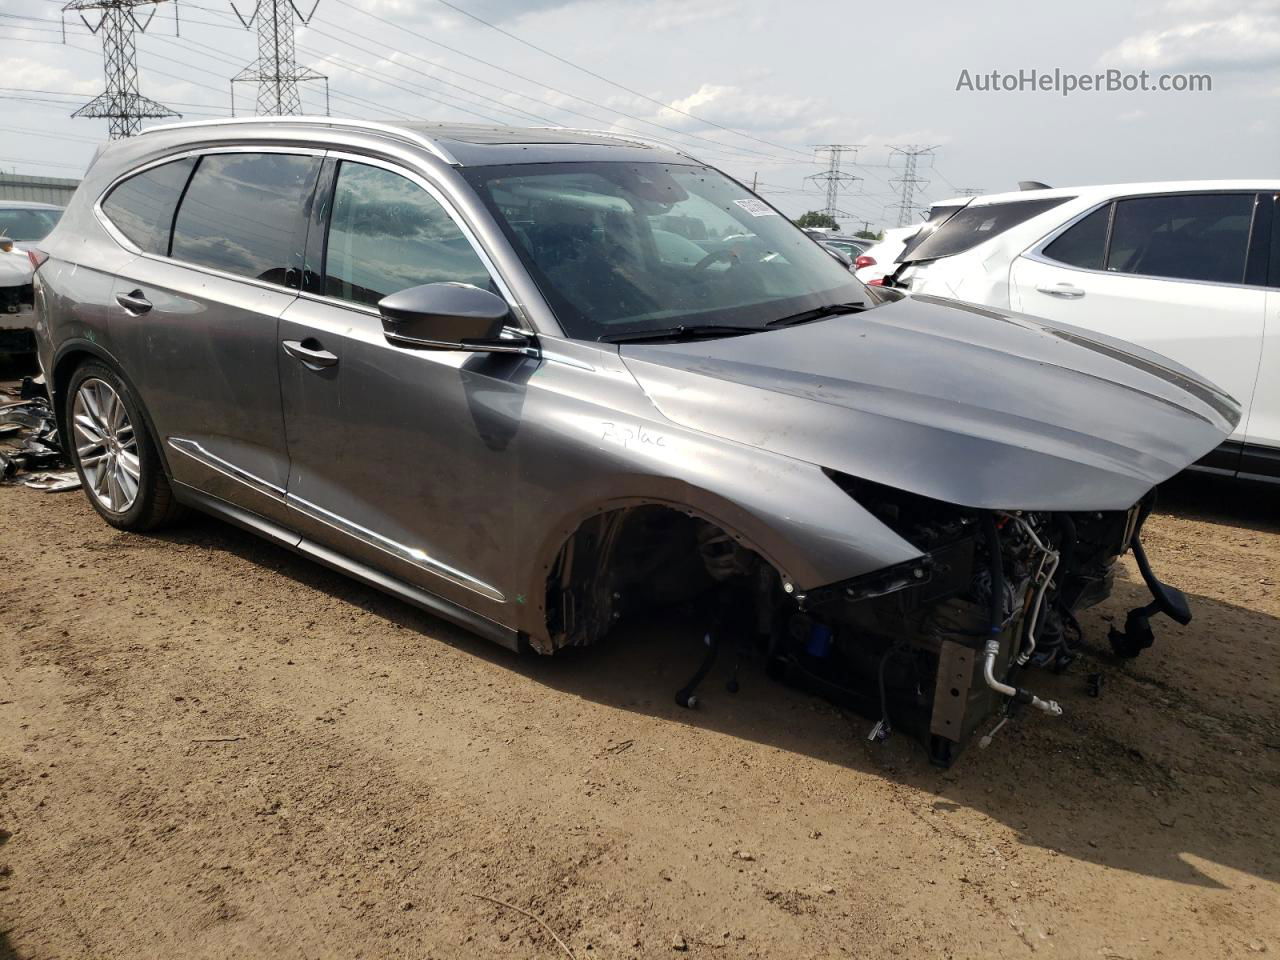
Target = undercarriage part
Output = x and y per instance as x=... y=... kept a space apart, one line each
x=1170 y=601
x=1043 y=578
x=685 y=696
x=1017 y=694
x=991 y=734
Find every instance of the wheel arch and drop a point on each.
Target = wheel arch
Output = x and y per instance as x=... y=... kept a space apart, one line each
x=71 y=355
x=748 y=532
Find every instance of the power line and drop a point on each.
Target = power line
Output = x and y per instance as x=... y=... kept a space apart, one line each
x=614 y=83
x=348 y=33
x=121 y=103
x=276 y=71
x=42 y=163
x=23 y=93
x=564 y=93
x=360 y=103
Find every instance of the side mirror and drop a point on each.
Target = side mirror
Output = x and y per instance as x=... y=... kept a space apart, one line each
x=448 y=316
x=837 y=254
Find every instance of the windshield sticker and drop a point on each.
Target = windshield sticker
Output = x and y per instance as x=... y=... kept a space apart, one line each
x=757 y=208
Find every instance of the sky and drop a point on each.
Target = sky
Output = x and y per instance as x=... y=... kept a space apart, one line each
x=749 y=86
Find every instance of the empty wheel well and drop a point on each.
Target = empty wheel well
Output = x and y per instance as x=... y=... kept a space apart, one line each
x=636 y=559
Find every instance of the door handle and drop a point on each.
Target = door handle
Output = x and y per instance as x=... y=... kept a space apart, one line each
x=310 y=353
x=134 y=302
x=1063 y=290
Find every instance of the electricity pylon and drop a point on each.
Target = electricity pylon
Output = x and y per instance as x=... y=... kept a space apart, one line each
x=120 y=103
x=909 y=181
x=833 y=176
x=276 y=71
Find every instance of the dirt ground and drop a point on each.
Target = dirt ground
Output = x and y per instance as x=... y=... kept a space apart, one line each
x=212 y=748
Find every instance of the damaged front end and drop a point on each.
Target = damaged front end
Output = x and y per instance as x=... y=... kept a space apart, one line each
x=934 y=647
x=937 y=645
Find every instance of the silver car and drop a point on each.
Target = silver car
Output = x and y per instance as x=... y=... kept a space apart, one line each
x=541 y=381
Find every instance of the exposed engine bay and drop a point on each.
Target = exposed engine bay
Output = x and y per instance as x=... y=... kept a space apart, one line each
x=939 y=648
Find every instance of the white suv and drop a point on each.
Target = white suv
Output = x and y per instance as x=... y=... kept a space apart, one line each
x=1190 y=270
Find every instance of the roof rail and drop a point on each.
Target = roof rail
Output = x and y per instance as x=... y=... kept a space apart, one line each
x=400 y=132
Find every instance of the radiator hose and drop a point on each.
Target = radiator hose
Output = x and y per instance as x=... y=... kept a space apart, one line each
x=996 y=624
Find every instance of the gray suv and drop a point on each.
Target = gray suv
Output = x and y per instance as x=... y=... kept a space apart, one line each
x=540 y=381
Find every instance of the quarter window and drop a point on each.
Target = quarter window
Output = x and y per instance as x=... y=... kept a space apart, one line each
x=1085 y=244
x=1187 y=237
x=386 y=234
x=245 y=213
x=142 y=206
x=977 y=224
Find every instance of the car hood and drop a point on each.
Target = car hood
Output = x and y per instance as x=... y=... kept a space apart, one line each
x=15 y=268
x=969 y=405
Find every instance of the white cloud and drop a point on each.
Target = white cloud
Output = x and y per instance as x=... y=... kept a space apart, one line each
x=1243 y=40
x=734 y=107
x=29 y=74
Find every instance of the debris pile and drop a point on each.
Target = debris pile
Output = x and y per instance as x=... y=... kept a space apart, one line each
x=30 y=451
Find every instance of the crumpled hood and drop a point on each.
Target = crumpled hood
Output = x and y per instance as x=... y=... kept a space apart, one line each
x=15 y=268
x=964 y=404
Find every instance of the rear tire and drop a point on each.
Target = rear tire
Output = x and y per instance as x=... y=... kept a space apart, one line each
x=114 y=453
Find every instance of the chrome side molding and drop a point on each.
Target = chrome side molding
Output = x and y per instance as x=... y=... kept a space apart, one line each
x=204 y=457
x=414 y=555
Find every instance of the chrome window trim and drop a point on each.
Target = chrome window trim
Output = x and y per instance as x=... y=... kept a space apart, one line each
x=451 y=211
x=400 y=133
x=1036 y=252
x=211 y=460
x=114 y=232
x=411 y=555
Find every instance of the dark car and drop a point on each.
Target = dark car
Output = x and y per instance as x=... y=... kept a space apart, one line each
x=542 y=381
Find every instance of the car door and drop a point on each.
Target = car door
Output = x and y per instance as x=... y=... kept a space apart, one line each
x=1168 y=272
x=1262 y=438
x=398 y=457
x=197 y=329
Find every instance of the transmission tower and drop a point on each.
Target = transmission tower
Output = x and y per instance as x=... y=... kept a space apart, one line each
x=276 y=72
x=120 y=103
x=833 y=176
x=909 y=181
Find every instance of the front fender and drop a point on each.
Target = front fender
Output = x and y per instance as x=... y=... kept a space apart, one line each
x=787 y=511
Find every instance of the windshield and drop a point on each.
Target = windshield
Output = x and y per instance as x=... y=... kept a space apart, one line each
x=621 y=247
x=27 y=224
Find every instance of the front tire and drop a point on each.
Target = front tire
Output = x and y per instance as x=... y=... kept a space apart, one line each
x=114 y=452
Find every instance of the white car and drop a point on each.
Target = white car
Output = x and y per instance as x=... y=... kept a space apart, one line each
x=1189 y=269
x=21 y=222
x=874 y=262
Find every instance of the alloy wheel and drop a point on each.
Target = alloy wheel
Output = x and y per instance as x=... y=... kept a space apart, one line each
x=106 y=445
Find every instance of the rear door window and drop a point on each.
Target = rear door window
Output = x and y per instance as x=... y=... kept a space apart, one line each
x=386 y=234
x=1084 y=245
x=245 y=214
x=977 y=224
x=1201 y=237
x=142 y=207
